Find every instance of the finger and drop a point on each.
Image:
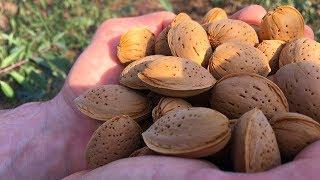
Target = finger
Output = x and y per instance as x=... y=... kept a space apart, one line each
x=76 y=175
x=308 y=32
x=252 y=14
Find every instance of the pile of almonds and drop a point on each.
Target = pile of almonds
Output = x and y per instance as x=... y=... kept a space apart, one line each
x=240 y=96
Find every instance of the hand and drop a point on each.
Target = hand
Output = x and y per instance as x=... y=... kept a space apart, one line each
x=98 y=66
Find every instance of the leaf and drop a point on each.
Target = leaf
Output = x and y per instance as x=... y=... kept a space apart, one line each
x=12 y=57
x=6 y=89
x=17 y=77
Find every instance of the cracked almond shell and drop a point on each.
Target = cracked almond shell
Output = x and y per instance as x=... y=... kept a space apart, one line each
x=227 y=30
x=294 y=132
x=189 y=40
x=214 y=15
x=106 y=101
x=135 y=44
x=254 y=146
x=161 y=44
x=176 y=77
x=145 y=151
x=236 y=94
x=115 y=139
x=192 y=133
x=237 y=57
x=283 y=23
x=303 y=49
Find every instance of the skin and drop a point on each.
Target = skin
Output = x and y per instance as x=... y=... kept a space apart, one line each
x=46 y=140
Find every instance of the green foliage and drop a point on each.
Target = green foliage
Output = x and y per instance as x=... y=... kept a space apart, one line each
x=166 y=5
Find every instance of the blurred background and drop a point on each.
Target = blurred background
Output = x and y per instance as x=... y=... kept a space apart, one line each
x=40 y=39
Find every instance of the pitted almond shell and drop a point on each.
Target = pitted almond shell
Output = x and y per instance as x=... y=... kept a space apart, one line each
x=254 y=146
x=283 y=23
x=226 y=30
x=181 y=17
x=214 y=15
x=145 y=151
x=303 y=49
x=115 y=139
x=237 y=57
x=135 y=44
x=106 y=101
x=176 y=77
x=161 y=44
x=294 y=132
x=129 y=76
x=300 y=82
x=193 y=133
x=272 y=50
x=189 y=40
x=236 y=94
x=167 y=104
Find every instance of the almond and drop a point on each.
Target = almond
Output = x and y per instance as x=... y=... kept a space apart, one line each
x=176 y=77
x=236 y=94
x=145 y=151
x=189 y=40
x=254 y=144
x=294 y=132
x=303 y=49
x=226 y=30
x=115 y=139
x=166 y=105
x=283 y=23
x=129 y=76
x=193 y=133
x=214 y=15
x=106 y=101
x=300 y=82
x=272 y=50
x=181 y=17
x=135 y=44
x=236 y=57
x=161 y=44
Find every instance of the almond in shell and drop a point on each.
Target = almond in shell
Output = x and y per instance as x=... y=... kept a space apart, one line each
x=193 y=133
x=294 y=132
x=106 y=101
x=161 y=44
x=145 y=151
x=254 y=144
x=115 y=139
x=181 y=17
x=214 y=15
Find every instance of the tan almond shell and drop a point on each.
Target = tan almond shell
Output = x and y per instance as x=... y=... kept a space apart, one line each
x=181 y=17
x=283 y=23
x=135 y=44
x=214 y=15
x=176 y=77
x=238 y=93
x=189 y=40
x=145 y=151
x=303 y=49
x=237 y=57
x=115 y=139
x=129 y=76
x=161 y=44
x=294 y=132
x=254 y=146
x=226 y=30
x=272 y=50
x=300 y=82
x=167 y=104
x=192 y=133
x=106 y=101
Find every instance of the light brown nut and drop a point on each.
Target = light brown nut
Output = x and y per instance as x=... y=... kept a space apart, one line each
x=106 y=101
x=214 y=15
x=135 y=44
x=129 y=76
x=145 y=151
x=272 y=50
x=236 y=57
x=193 y=133
x=176 y=77
x=161 y=44
x=294 y=132
x=300 y=82
x=181 y=17
x=254 y=147
x=189 y=40
x=115 y=139
x=166 y=105
x=283 y=23
x=236 y=94
x=231 y=30
x=303 y=49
